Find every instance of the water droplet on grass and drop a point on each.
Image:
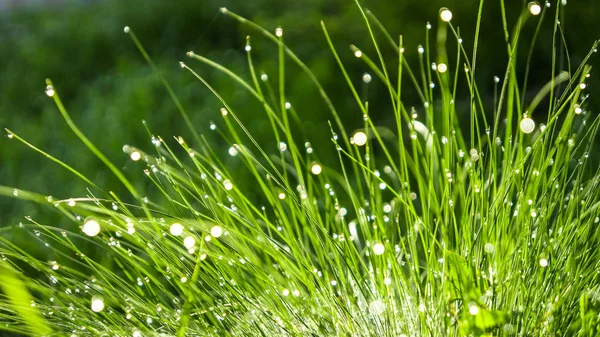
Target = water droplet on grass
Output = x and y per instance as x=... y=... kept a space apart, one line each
x=50 y=91
x=360 y=138
x=445 y=14
x=534 y=8
x=378 y=248
x=316 y=169
x=97 y=304
x=527 y=125
x=91 y=227
x=366 y=78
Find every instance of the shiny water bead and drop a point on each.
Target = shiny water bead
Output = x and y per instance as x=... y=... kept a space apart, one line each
x=279 y=32
x=377 y=307
x=360 y=138
x=228 y=185
x=473 y=308
x=176 y=229
x=420 y=49
x=366 y=78
x=527 y=125
x=316 y=169
x=282 y=146
x=489 y=248
x=135 y=155
x=91 y=227
x=445 y=14
x=442 y=68
x=216 y=231
x=97 y=304
x=50 y=91
x=534 y=8
x=358 y=53
x=126 y=29
x=544 y=263
x=189 y=242
x=378 y=248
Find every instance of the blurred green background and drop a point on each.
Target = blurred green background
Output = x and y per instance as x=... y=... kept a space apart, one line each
x=109 y=88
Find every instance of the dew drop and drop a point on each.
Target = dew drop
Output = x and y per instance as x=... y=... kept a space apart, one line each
x=360 y=138
x=97 y=304
x=248 y=48
x=544 y=263
x=126 y=29
x=445 y=14
x=264 y=77
x=316 y=169
x=377 y=307
x=216 y=231
x=378 y=248
x=473 y=309
x=366 y=78
x=420 y=49
x=135 y=155
x=534 y=8
x=442 y=68
x=527 y=125
x=489 y=248
x=279 y=32
x=176 y=229
x=228 y=185
x=10 y=135
x=189 y=242
x=233 y=151
x=50 y=91
x=91 y=227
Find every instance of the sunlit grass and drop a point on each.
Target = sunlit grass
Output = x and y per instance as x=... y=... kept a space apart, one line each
x=437 y=225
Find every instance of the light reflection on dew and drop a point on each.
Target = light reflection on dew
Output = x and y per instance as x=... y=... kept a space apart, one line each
x=176 y=229
x=316 y=169
x=527 y=125
x=473 y=309
x=445 y=14
x=544 y=263
x=135 y=155
x=228 y=185
x=216 y=231
x=378 y=248
x=534 y=8
x=360 y=138
x=91 y=227
x=366 y=78
x=377 y=307
x=442 y=68
x=97 y=304
x=50 y=91
x=189 y=242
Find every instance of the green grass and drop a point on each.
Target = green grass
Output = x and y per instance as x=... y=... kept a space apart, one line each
x=448 y=222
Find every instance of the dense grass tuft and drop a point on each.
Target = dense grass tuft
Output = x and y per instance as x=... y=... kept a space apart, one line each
x=469 y=220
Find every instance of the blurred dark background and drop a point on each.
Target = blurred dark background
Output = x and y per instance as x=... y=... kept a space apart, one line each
x=109 y=89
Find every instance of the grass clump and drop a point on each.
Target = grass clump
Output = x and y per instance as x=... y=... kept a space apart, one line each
x=442 y=224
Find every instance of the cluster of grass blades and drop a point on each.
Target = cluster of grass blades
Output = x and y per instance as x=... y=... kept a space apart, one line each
x=425 y=228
